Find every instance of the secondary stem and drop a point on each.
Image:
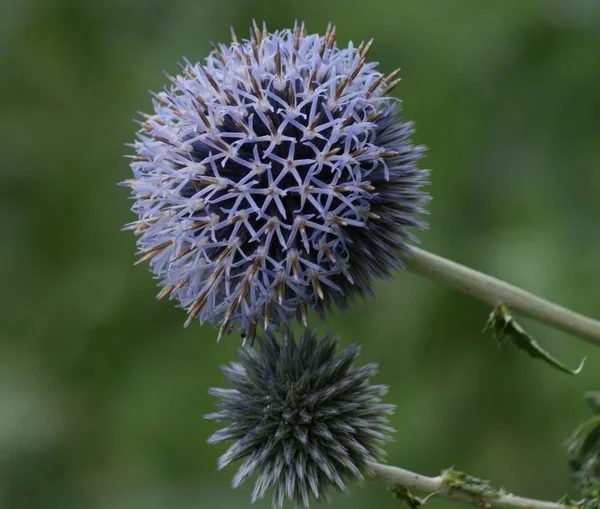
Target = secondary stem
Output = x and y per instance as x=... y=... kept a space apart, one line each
x=397 y=478
x=496 y=292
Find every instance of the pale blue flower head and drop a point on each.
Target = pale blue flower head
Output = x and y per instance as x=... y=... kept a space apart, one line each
x=273 y=178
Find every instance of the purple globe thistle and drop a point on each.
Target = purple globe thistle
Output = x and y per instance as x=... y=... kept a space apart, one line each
x=303 y=419
x=273 y=178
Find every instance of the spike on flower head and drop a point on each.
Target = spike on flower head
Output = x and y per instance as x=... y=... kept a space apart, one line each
x=273 y=178
x=303 y=418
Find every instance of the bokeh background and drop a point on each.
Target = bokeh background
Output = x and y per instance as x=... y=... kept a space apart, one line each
x=102 y=391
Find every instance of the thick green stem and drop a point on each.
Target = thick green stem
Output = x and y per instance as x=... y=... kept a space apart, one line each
x=496 y=292
x=400 y=479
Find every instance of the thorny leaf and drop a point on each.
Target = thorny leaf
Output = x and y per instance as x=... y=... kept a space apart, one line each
x=505 y=328
x=583 y=453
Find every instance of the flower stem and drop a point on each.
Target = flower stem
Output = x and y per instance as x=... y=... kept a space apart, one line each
x=467 y=489
x=496 y=292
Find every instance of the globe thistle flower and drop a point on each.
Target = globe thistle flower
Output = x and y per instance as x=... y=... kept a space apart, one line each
x=273 y=178
x=303 y=419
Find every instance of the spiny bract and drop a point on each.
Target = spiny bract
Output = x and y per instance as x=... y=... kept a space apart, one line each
x=303 y=419
x=273 y=178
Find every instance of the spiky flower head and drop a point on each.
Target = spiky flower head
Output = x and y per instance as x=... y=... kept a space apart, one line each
x=273 y=178
x=303 y=418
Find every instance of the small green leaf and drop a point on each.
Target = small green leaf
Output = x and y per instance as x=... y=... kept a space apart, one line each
x=505 y=328
x=404 y=494
x=458 y=480
x=568 y=501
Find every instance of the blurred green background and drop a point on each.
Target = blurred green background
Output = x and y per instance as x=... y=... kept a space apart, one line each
x=102 y=391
